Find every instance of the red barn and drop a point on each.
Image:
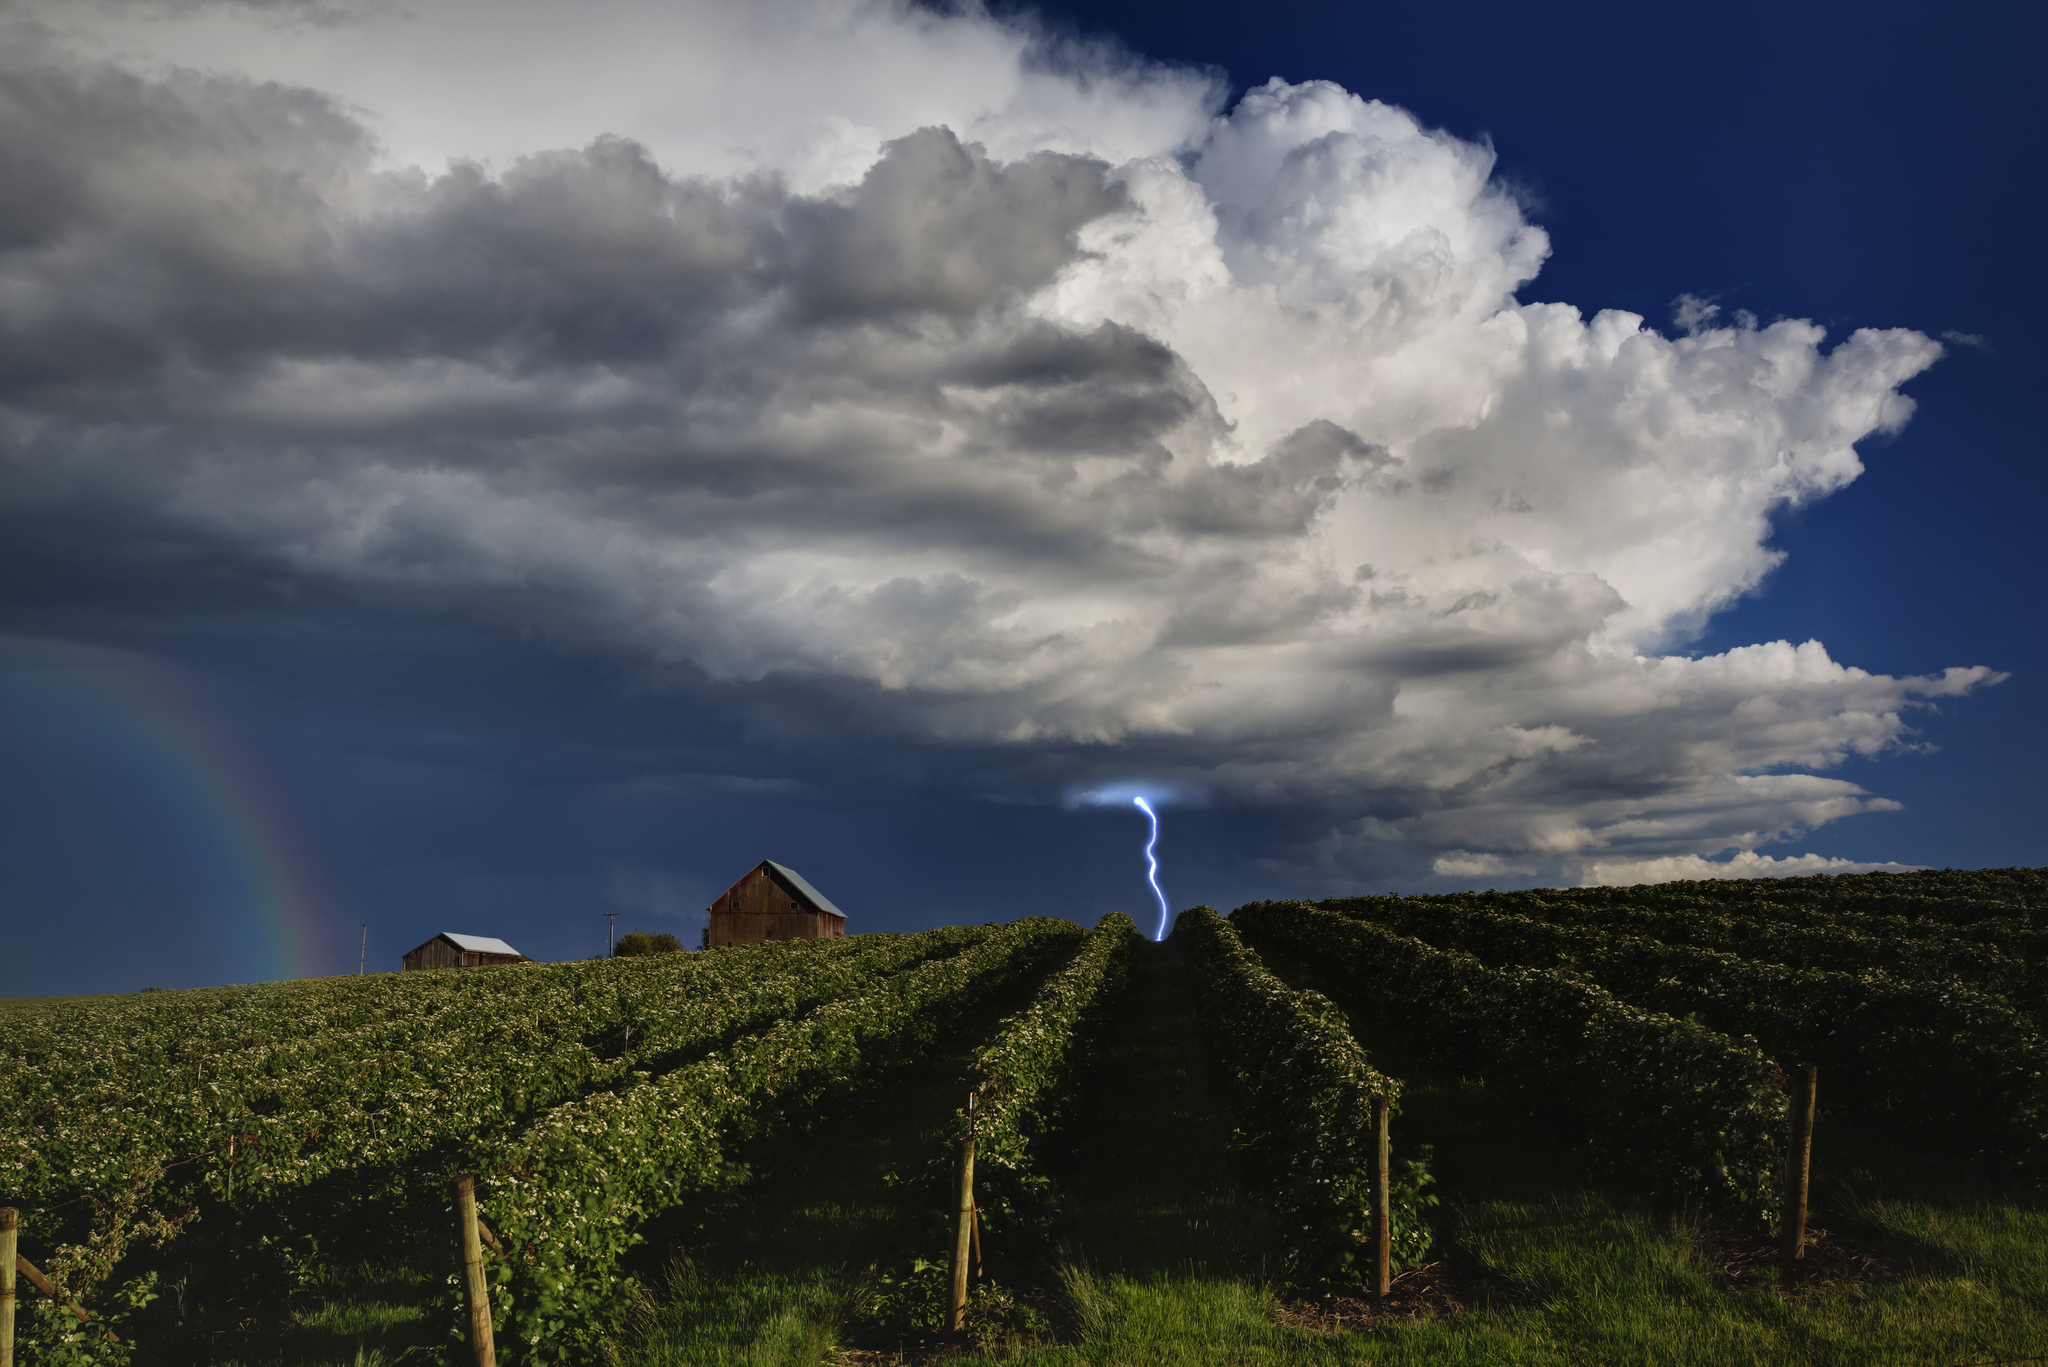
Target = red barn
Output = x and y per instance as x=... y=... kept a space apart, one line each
x=773 y=903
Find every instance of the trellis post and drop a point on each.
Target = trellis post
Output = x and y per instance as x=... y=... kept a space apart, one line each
x=10 y=1220
x=473 y=1274
x=1382 y=1203
x=963 y=1231
x=1798 y=1169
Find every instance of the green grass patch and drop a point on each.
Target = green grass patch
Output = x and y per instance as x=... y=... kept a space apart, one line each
x=369 y=1315
x=750 y=1316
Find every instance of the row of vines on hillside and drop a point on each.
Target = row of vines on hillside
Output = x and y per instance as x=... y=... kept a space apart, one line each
x=1689 y=1110
x=1933 y=1051
x=1955 y=896
x=1996 y=956
x=315 y=1139
x=1998 y=908
x=1301 y=1091
x=571 y=1195
x=1024 y=1079
x=1024 y=1084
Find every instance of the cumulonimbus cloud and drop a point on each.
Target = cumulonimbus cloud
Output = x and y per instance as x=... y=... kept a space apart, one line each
x=1058 y=415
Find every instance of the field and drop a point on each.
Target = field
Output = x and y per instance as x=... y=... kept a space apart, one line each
x=748 y=1156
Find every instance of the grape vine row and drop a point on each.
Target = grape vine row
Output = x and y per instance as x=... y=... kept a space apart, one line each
x=1696 y=1114
x=1301 y=1090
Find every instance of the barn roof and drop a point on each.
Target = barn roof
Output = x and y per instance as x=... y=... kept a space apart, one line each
x=479 y=944
x=809 y=893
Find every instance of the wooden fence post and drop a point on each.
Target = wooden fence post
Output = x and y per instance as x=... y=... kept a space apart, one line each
x=473 y=1275
x=963 y=1231
x=1798 y=1169
x=10 y=1219
x=1382 y=1202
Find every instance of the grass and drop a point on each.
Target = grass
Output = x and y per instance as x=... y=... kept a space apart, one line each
x=369 y=1315
x=1161 y=1255
x=755 y=1316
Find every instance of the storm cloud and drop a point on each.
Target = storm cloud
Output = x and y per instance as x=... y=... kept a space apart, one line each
x=1056 y=424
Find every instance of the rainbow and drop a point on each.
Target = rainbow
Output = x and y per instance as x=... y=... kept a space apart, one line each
x=136 y=721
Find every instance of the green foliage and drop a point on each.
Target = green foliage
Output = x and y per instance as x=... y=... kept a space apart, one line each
x=1885 y=926
x=569 y=1196
x=1695 y=1114
x=1794 y=935
x=1985 y=926
x=638 y=942
x=275 y=1124
x=46 y=1332
x=1932 y=1049
x=1302 y=1091
x=1022 y=1078
x=907 y=1302
x=1024 y=1085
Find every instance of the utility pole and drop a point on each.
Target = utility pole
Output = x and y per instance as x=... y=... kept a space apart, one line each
x=364 y=958
x=611 y=930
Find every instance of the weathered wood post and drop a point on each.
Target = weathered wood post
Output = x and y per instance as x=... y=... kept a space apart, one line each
x=473 y=1274
x=1382 y=1202
x=1798 y=1169
x=963 y=1231
x=975 y=1262
x=10 y=1220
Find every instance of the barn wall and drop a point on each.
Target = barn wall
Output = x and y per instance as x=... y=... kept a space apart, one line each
x=758 y=909
x=435 y=953
x=739 y=928
x=438 y=953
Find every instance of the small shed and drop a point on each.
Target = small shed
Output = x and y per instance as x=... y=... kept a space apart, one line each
x=773 y=902
x=449 y=950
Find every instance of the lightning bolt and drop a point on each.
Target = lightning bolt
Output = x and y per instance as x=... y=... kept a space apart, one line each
x=1152 y=863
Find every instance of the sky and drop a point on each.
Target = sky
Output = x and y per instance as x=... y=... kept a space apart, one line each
x=483 y=466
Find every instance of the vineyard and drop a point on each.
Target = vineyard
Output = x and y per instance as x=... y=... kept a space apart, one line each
x=1538 y=1126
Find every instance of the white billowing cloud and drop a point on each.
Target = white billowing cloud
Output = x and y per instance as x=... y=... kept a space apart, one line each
x=1365 y=277
x=1044 y=420
x=1674 y=868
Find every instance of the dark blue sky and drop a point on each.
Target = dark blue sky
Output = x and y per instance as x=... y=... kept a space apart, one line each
x=446 y=767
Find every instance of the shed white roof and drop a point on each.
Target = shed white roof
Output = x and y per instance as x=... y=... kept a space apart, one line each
x=480 y=944
x=796 y=880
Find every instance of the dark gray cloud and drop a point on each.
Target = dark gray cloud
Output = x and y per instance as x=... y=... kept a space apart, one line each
x=936 y=227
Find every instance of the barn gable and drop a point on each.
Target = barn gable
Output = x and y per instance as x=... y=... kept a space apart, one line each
x=773 y=902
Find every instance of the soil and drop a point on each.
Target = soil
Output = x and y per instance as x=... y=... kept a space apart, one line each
x=1422 y=1293
x=1830 y=1259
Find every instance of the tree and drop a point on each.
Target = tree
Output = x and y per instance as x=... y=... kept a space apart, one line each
x=640 y=942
